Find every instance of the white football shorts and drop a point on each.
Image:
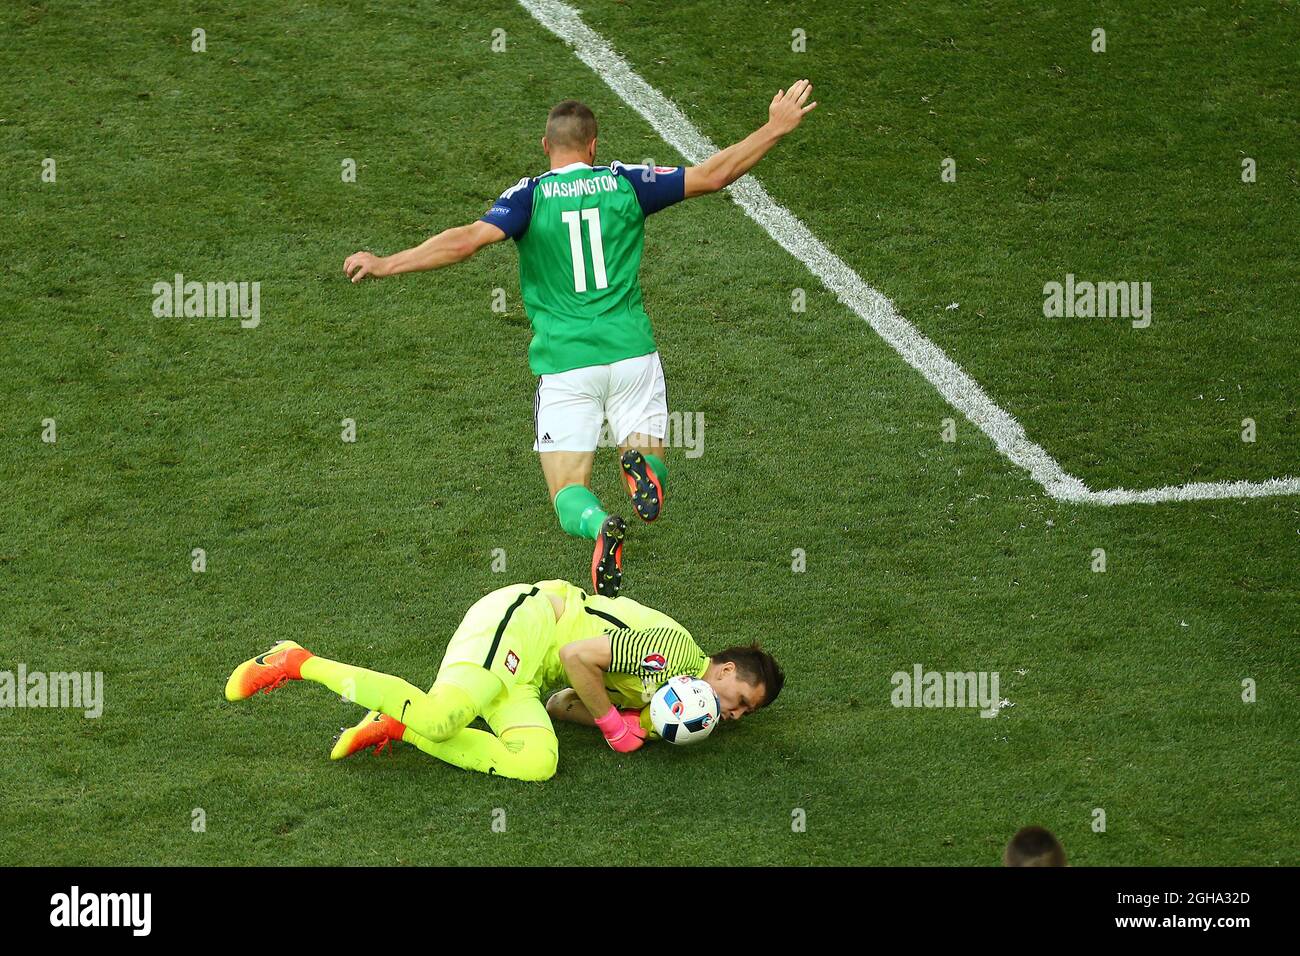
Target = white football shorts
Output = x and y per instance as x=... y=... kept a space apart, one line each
x=572 y=407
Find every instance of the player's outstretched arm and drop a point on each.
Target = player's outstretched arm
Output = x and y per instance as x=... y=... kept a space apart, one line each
x=723 y=168
x=449 y=246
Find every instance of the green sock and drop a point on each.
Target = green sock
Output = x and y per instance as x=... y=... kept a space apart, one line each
x=660 y=469
x=579 y=511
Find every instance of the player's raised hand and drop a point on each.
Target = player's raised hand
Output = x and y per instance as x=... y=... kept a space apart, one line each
x=787 y=108
x=620 y=733
x=361 y=264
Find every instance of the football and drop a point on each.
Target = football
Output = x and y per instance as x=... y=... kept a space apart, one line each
x=684 y=710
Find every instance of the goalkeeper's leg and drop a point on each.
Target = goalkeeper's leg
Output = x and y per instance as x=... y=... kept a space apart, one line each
x=509 y=631
x=522 y=745
x=461 y=693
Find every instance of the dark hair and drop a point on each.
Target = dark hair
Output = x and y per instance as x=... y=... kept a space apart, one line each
x=570 y=125
x=1034 y=846
x=755 y=666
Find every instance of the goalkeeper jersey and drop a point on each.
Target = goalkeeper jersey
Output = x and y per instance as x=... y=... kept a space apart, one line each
x=580 y=230
x=647 y=647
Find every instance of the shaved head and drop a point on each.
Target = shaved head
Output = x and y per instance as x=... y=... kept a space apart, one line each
x=570 y=125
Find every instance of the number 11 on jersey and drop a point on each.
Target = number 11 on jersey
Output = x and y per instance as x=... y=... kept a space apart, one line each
x=592 y=216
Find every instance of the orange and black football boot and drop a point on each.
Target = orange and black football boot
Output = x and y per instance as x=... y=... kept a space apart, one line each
x=643 y=485
x=607 y=559
x=374 y=730
x=266 y=672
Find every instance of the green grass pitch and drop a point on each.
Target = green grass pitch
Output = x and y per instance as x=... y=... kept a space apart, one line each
x=176 y=434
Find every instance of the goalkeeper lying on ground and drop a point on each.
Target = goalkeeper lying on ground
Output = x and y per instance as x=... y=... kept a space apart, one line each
x=511 y=646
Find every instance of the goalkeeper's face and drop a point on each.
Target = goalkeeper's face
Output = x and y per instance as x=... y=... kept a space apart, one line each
x=737 y=696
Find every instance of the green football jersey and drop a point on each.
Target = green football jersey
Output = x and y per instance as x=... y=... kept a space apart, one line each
x=580 y=231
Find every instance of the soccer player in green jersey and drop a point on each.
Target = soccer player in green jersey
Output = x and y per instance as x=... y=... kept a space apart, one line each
x=579 y=229
x=512 y=645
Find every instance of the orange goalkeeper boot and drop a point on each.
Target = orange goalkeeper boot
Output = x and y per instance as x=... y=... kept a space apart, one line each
x=375 y=730
x=266 y=672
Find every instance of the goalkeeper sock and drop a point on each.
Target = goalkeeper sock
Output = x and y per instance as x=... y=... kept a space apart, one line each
x=522 y=753
x=579 y=511
x=438 y=715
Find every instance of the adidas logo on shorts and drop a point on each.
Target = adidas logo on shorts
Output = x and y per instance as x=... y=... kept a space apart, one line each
x=546 y=439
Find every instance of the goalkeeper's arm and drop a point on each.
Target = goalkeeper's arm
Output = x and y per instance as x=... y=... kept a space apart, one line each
x=565 y=706
x=585 y=662
x=723 y=168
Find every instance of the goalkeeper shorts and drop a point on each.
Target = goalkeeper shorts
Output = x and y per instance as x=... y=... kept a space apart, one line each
x=507 y=632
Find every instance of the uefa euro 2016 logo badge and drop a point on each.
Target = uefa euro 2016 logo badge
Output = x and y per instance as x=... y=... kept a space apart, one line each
x=654 y=662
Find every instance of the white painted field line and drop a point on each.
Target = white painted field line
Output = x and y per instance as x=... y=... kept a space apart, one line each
x=1196 y=491
x=958 y=389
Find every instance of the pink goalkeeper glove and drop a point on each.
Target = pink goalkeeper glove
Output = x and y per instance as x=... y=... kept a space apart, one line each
x=622 y=732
